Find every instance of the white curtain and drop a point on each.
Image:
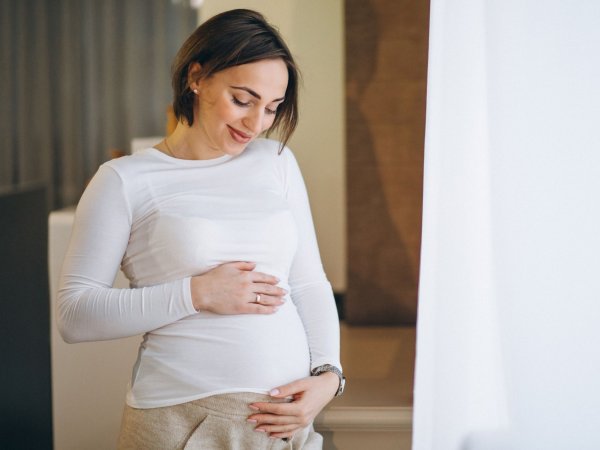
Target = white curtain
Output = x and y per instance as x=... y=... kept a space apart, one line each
x=508 y=330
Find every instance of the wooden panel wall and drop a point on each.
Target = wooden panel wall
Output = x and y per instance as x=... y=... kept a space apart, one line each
x=386 y=68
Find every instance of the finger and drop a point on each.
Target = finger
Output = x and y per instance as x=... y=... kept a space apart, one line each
x=280 y=409
x=242 y=265
x=290 y=389
x=260 y=277
x=270 y=289
x=272 y=419
x=267 y=300
x=292 y=428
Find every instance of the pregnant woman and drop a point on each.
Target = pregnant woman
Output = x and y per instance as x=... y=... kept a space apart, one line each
x=214 y=231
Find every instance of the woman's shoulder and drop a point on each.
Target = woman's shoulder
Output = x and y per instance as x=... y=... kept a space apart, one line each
x=135 y=163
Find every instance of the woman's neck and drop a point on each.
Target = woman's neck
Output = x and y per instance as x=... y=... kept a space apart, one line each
x=184 y=143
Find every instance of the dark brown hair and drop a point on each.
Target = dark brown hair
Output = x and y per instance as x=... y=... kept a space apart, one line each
x=233 y=38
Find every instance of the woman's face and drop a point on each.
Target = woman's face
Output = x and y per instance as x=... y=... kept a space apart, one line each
x=237 y=104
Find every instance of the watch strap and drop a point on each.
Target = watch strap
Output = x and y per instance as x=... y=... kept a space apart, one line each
x=331 y=368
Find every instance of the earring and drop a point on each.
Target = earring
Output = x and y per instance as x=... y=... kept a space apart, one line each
x=195 y=91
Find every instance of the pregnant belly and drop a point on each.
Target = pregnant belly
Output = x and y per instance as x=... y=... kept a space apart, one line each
x=208 y=353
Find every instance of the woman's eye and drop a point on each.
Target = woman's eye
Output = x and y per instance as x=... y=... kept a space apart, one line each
x=239 y=103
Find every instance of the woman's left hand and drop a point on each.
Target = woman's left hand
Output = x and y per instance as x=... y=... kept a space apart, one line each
x=309 y=396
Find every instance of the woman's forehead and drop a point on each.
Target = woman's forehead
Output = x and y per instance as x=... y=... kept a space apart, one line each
x=268 y=78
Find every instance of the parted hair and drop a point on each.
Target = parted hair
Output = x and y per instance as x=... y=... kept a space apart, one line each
x=233 y=38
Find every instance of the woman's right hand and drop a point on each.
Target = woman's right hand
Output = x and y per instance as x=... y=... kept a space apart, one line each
x=232 y=288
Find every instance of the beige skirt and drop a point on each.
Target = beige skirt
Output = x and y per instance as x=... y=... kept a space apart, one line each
x=213 y=423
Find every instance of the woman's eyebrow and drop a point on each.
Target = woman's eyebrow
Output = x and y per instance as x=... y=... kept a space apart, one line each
x=254 y=94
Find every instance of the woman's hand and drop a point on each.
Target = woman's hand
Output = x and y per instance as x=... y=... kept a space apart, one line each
x=232 y=288
x=309 y=397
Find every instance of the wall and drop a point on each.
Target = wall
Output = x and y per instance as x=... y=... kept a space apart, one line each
x=386 y=71
x=314 y=32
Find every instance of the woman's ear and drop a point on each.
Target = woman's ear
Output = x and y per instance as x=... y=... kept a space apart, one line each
x=194 y=76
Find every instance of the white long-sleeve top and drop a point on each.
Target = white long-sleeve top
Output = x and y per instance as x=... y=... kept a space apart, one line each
x=164 y=220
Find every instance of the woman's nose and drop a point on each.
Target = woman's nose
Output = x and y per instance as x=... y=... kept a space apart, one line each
x=254 y=122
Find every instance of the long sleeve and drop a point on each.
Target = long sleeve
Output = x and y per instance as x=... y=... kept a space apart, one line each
x=88 y=307
x=310 y=290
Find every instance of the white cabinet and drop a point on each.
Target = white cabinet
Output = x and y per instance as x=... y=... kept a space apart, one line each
x=89 y=380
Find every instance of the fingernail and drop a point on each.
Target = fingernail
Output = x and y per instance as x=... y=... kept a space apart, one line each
x=254 y=408
x=274 y=392
x=250 y=420
x=260 y=430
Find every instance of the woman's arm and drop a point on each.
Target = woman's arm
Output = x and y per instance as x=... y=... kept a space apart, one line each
x=88 y=307
x=310 y=290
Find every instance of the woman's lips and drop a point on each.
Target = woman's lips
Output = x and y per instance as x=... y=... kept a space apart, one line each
x=238 y=136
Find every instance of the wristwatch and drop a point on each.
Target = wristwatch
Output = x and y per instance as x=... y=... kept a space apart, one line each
x=329 y=368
